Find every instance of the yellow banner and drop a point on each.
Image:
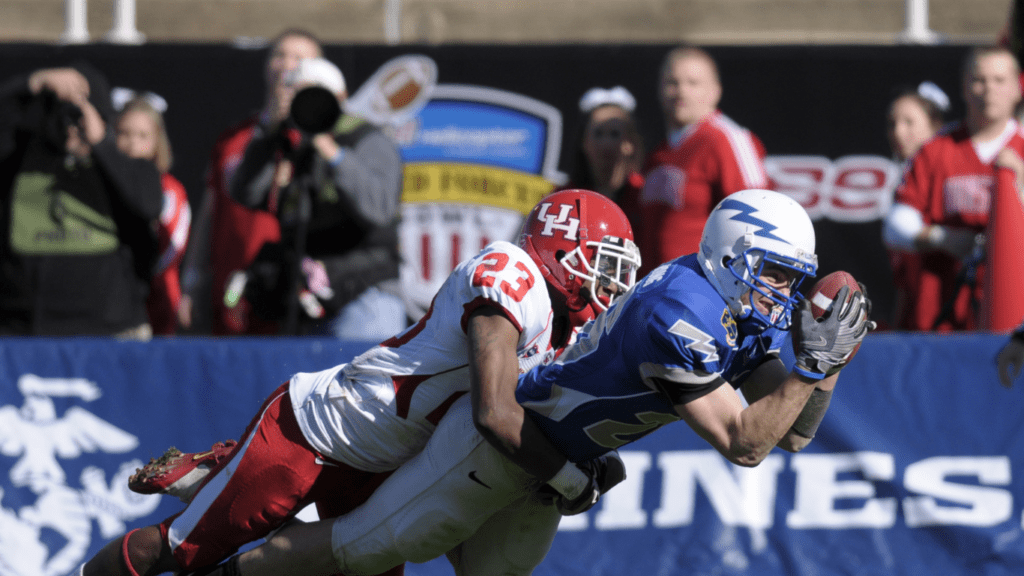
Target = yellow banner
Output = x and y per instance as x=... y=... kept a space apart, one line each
x=473 y=184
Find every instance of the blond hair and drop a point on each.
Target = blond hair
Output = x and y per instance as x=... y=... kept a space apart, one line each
x=687 y=51
x=162 y=155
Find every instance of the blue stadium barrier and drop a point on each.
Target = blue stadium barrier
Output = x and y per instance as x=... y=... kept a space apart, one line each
x=917 y=468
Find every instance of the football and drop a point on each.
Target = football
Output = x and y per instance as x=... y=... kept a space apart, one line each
x=824 y=291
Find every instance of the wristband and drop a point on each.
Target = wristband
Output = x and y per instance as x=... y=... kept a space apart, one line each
x=807 y=422
x=570 y=481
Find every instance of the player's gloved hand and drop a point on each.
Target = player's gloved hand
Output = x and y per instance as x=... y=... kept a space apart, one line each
x=608 y=469
x=867 y=303
x=604 y=472
x=822 y=346
x=580 y=504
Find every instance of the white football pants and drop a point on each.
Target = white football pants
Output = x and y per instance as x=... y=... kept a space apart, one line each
x=459 y=489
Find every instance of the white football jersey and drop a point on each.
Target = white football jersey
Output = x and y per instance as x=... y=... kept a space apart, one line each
x=379 y=410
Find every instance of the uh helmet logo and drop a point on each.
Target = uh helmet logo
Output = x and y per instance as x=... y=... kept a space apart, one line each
x=60 y=519
x=561 y=221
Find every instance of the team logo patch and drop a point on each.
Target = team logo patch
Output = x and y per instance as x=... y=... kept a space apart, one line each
x=731 y=331
x=560 y=221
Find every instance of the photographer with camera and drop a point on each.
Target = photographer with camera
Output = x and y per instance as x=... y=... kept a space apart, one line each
x=77 y=243
x=334 y=183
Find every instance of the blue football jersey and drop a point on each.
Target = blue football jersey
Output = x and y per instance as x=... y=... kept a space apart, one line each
x=669 y=340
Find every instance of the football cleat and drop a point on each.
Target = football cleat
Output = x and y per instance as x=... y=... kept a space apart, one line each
x=177 y=473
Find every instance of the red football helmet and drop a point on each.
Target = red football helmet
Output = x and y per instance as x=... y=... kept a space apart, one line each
x=584 y=247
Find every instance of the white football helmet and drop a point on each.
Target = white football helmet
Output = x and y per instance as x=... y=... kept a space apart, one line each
x=744 y=232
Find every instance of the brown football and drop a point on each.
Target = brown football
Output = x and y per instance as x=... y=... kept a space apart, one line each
x=824 y=291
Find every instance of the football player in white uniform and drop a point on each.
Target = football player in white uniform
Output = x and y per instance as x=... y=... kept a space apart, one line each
x=675 y=347
x=332 y=437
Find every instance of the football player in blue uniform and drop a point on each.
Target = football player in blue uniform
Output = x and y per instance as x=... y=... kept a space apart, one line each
x=677 y=346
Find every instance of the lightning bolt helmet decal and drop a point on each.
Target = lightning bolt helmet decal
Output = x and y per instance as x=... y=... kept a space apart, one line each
x=747 y=231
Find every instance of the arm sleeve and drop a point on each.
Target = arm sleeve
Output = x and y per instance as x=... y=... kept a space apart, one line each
x=350 y=274
x=685 y=364
x=901 y=226
x=370 y=176
x=741 y=161
x=136 y=182
x=914 y=187
x=13 y=94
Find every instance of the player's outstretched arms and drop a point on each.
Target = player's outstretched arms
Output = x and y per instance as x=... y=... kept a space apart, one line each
x=806 y=424
x=777 y=399
x=770 y=376
x=745 y=436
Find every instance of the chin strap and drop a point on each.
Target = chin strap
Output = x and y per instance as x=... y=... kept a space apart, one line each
x=124 y=553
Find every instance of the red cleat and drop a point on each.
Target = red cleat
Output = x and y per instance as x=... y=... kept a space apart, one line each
x=178 y=474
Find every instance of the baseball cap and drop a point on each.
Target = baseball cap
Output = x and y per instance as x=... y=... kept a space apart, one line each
x=319 y=72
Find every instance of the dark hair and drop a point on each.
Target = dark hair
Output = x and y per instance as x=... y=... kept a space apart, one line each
x=580 y=174
x=936 y=115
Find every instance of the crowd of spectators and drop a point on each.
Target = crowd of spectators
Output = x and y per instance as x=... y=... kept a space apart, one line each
x=296 y=230
x=941 y=207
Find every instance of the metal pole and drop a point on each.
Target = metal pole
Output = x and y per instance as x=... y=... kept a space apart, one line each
x=916 y=30
x=392 y=21
x=76 y=28
x=122 y=28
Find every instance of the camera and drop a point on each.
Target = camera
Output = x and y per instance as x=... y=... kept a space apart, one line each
x=59 y=115
x=314 y=109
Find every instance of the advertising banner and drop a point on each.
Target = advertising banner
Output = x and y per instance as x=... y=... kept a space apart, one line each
x=477 y=160
x=917 y=468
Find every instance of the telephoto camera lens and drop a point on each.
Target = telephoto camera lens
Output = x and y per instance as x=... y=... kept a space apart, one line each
x=315 y=109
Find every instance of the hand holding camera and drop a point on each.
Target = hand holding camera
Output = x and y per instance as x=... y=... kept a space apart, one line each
x=68 y=84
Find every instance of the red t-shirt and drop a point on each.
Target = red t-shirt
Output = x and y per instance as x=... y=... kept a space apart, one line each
x=949 y=185
x=714 y=158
